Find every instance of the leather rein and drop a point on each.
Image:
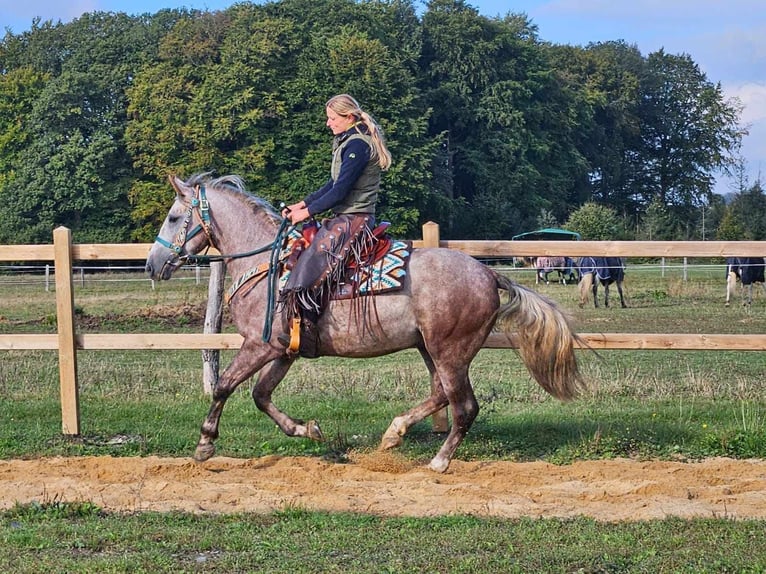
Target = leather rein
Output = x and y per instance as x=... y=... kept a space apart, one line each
x=199 y=209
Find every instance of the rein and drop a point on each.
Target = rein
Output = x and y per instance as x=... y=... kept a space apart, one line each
x=200 y=207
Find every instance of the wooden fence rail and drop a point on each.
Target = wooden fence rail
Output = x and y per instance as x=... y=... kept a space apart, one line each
x=67 y=342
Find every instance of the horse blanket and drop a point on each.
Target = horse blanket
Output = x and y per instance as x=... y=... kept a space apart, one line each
x=748 y=270
x=606 y=269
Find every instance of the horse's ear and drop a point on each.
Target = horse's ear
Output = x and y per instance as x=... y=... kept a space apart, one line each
x=177 y=184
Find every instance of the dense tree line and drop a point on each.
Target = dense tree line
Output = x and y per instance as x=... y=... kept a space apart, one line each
x=493 y=130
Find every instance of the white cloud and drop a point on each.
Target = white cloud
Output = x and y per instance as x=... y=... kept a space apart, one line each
x=753 y=98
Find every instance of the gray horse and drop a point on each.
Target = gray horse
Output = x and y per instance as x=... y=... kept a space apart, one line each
x=447 y=307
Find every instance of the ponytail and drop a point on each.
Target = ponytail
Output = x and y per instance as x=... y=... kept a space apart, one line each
x=345 y=105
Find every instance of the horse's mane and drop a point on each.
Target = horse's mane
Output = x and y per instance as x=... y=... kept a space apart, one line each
x=235 y=184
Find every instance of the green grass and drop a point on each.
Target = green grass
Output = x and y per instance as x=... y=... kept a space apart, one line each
x=80 y=538
x=639 y=404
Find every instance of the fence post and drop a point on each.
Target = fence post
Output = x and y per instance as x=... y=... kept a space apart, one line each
x=70 y=400
x=211 y=358
x=440 y=419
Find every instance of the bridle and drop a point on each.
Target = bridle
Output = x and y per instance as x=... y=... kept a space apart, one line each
x=198 y=207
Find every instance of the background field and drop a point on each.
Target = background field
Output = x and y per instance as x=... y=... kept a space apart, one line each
x=640 y=404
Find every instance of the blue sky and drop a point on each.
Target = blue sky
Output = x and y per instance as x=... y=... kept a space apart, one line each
x=726 y=38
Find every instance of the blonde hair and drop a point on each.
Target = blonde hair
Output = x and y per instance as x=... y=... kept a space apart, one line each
x=345 y=105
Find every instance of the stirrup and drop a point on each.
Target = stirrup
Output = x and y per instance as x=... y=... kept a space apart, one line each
x=295 y=335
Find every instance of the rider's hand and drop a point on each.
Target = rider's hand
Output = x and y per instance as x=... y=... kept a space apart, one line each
x=293 y=207
x=298 y=214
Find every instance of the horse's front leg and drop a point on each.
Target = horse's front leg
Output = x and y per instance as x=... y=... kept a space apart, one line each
x=252 y=355
x=268 y=379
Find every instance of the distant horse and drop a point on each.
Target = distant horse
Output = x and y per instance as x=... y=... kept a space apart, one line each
x=604 y=270
x=564 y=266
x=746 y=270
x=447 y=307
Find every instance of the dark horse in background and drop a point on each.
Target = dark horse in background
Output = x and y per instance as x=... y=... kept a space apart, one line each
x=604 y=270
x=564 y=266
x=447 y=307
x=747 y=271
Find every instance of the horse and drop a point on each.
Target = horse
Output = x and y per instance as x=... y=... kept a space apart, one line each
x=604 y=270
x=448 y=305
x=748 y=271
x=564 y=266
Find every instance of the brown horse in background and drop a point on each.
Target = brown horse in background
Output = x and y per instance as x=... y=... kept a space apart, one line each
x=448 y=306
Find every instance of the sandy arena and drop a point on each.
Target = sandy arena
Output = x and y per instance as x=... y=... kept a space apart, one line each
x=385 y=484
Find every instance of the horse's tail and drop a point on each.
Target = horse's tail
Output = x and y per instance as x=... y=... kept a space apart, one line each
x=586 y=283
x=545 y=338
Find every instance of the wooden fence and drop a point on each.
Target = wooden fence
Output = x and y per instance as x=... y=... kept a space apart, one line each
x=63 y=253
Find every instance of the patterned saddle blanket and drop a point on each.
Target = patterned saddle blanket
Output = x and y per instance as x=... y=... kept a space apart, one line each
x=385 y=272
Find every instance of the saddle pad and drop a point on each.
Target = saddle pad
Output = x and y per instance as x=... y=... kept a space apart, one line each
x=385 y=274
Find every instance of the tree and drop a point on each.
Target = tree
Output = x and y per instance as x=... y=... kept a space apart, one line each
x=76 y=170
x=595 y=222
x=689 y=132
x=730 y=229
x=747 y=213
x=604 y=78
x=19 y=87
x=658 y=223
x=508 y=122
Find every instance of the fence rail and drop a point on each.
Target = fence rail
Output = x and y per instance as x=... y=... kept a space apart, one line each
x=63 y=253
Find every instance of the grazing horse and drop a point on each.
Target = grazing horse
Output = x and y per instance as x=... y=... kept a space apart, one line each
x=746 y=270
x=564 y=266
x=448 y=305
x=604 y=270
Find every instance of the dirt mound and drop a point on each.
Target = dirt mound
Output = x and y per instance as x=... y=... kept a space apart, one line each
x=385 y=484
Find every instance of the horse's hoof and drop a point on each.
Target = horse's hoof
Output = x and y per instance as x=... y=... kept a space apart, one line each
x=314 y=432
x=439 y=465
x=390 y=440
x=204 y=452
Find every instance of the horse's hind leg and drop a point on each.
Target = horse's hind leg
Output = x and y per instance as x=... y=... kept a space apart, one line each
x=251 y=356
x=455 y=389
x=586 y=280
x=464 y=406
x=401 y=424
x=622 y=298
x=268 y=379
x=747 y=295
x=731 y=283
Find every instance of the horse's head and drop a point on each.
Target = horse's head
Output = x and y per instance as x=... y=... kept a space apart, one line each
x=185 y=231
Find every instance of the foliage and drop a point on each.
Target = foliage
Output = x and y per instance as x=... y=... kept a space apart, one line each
x=659 y=224
x=595 y=222
x=749 y=211
x=489 y=125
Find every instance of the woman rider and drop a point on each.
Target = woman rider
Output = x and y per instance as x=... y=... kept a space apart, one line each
x=351 y=194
